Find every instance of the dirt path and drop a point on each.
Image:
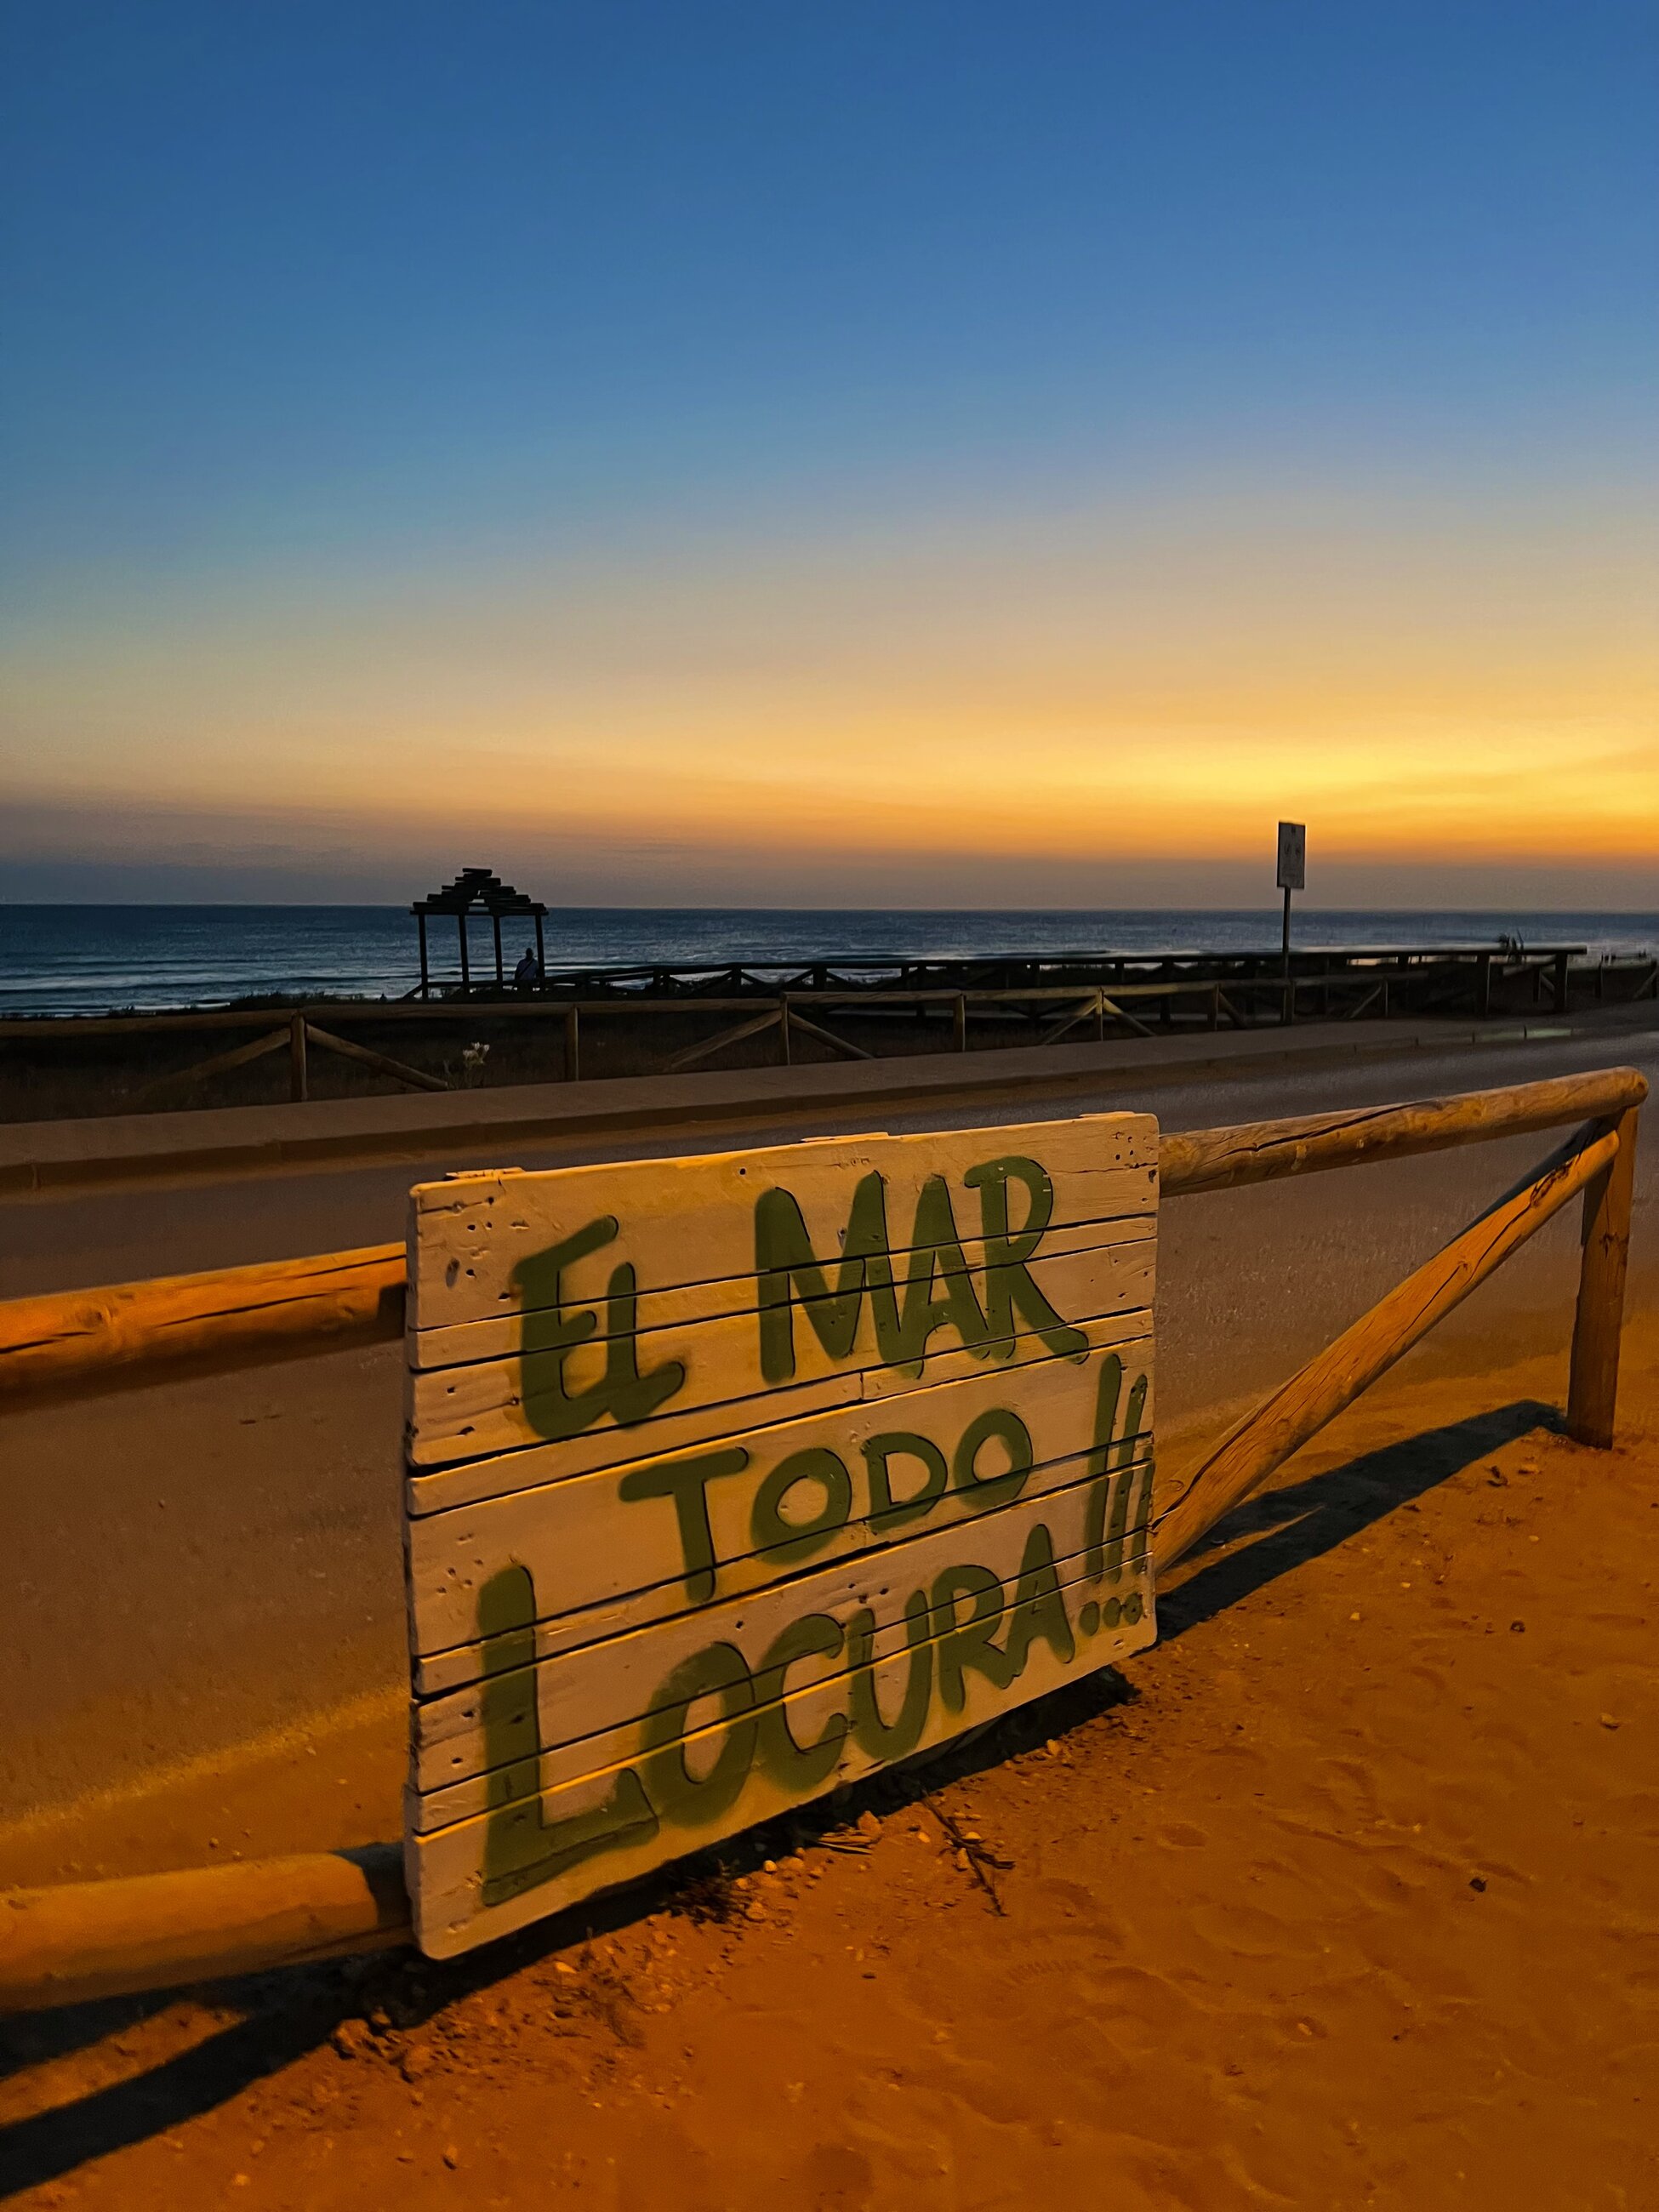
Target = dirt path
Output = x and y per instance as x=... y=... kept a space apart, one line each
x=1346 y=1894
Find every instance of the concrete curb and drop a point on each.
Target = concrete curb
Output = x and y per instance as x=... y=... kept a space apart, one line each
x=44 y=1157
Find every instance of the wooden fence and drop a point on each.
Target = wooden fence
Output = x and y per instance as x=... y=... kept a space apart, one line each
x=1050 y=1014
x=73 y=1942
x=1117 y=1001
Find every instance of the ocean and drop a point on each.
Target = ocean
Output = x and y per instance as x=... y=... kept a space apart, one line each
x=103 y=959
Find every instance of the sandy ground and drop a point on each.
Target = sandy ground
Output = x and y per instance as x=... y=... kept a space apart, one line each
x=1345 y=1894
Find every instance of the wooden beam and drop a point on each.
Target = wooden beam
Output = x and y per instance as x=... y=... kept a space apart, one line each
x=78 y=1941
x=825 y=1036
x=1261 y=1151
x=1593 y=1389
x=1110 y=1007
x=27 y=1026
x=234 y=1313
x=220 y=1064
x=1266 y=1438
x=378 y=1060
x=692 y=1053
x=1091 y=1003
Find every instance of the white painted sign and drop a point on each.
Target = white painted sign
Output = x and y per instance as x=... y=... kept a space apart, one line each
x=734 y=1477
x=1292 y=856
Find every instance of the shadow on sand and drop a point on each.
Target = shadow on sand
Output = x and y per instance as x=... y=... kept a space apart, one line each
x=284 y=2016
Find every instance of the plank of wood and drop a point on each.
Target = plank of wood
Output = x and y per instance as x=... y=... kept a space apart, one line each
x=1090 y=1607
x=528 y=1857
x=467 y=1481
x=464 y=1664
x=506 y=1335
x=577 y=1695
x=609 y=1550
x=502 y=1405
x=692 y=1220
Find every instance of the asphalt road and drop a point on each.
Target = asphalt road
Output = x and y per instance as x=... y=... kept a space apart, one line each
x=194 y=1562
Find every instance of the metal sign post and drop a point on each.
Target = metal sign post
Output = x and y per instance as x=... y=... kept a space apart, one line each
x=1293 y=872
x=1292 y=868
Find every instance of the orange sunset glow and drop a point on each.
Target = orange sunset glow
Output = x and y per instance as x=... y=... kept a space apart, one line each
x=1045 y=695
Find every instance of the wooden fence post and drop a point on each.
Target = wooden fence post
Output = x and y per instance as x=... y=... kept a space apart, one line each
x=573 y=1057
x=298 y=1087
x=1593 y=1389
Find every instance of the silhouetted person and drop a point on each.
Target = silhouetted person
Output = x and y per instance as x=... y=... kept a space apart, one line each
x=528 y=973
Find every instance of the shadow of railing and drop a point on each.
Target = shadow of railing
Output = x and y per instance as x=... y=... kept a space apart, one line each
x=291 y=2013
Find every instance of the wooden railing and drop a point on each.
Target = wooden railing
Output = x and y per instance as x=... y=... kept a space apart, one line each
x=1240 y=991
x=1057 y=1010
x=78 y=1940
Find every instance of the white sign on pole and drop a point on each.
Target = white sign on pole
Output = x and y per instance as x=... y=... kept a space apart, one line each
x=1292 y=855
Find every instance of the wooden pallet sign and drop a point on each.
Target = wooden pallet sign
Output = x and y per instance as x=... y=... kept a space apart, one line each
x=734 y=1477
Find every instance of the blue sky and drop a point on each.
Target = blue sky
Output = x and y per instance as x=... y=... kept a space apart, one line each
x=353 y=338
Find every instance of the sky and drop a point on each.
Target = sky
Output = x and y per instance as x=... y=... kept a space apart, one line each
x=899 y=454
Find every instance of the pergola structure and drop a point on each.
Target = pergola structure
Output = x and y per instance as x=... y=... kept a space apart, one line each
x=476 y=891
